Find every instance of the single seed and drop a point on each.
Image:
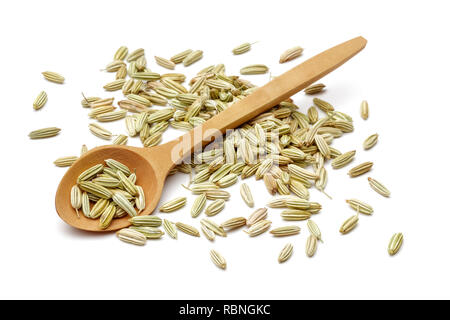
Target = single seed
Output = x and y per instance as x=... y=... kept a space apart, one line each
x=323 y=105
x=121 y=53
x=395 y=243
x=246 y=195
x=311 y=245
x=360 y=206
x=343 y=159
x=315 y=88
x=107 y=216
x=123 y=203
x=295 y=215
x=370 y=141
x=291 y=54
x=234 y=223
x=53 y=77
x=99 y=131
x=40 y=100
x=44 y=133
x=364 y=110
x=314 y=229
x=173 y=205
x=243 y=48
x=190 y=230
x=349 y=224
x=254 y=69
x=75 y=198
x=285 y=253
x=214 y=227
x=133 y=56
x=169 y=227
x=179 y=57
x=210 y=235
x=192 y=57
x=258 y=215
x=379 y=187
x=360 y=169
x=165 y=63
x=285 y=231
x=258 y=228
x=215 y=207
x=198 y=205
x=65 y=161
x=149 y=232
x=131 y=236
x=218 y=259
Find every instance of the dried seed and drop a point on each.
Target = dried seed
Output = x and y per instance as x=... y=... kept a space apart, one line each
x=98 y=208
x=53 y=77
x=146 y=75
x=228 y=180
x=311 y=245
x=179 y=57
x=120 y=140
x=291 y=54
x=299 y=189
x=211 y=236
x=107 y=216
x=343 y=159
x=40 y=100
x=254 y=69
x=190 y=230
x=173 y=205
x=218 y=259
x=323 y=105
x=322 y=145
x=214 y=227
x=149 y=232
x=360 y=169
x=370 y=141
x=258 y=228
x=123 y=203
x=364 y=110
x=118 y=166
x=258 y=215
x=246 y=195
x=85 y=207
x=349 y=224
x=243 y=48
x=315 y=88
x=295 y=215
x=121 y=53
x=234 y=223
x=192 y=57
x=215 y=207
x=165 y=63
x=298 y=172
x=44 y=133
x=111 y=116
x=198 y=205
x=314 y=229
x=75 y=198
x=216 y=194
x=131 y=236
x=114 y=85
x=360 y=206
x=99 y=131
x=169 y=227
x=90 y=172
x=395 y=243
x=146 y=221
x=285 y=231
x=285 y=253
x=65 y=161
x=379 y=187
x=133 y=56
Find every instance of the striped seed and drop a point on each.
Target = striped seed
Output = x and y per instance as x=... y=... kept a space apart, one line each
x=395 y=243
x=173 y=205
x=65 y=161
x=360 y=169
x=314 y=229
x=311 y=245
x=349 y=224
x=218 y=260
x=40 y=100
x=285 y=231
x=379 y=187
x=254 y=69
x=199 y=204
x=295 y=215
x=364 y=110
x=131 y=236
x=370 y=141
x=215 y=207
x=285 y=253
x=315 y=88
x=75 y=198
x=258 y=228
x=360 y=206
x=234 y=223
x=342 y=160
x=44 y=133
x=291 y=54
x=258 y=215
x=169 y=227
x=53 y=77
x=190 y=230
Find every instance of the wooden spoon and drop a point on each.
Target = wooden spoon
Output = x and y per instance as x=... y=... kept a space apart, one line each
x=153 y=164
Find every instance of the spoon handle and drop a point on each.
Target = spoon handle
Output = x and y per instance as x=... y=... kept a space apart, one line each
x=266 y=97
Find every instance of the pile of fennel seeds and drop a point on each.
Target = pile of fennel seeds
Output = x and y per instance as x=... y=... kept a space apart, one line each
x=278 y=147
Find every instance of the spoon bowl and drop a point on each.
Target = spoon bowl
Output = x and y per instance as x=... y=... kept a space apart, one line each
x=153 y=164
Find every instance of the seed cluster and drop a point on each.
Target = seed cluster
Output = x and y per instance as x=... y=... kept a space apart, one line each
x=284 y=147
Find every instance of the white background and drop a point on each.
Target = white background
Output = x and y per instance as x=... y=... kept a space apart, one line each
x=403 y=73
